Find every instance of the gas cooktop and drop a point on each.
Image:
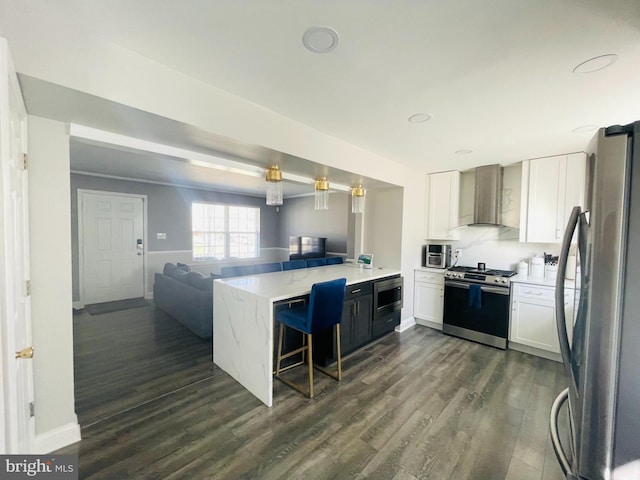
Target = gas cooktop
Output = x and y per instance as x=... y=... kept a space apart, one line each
x=495 y=273
x=475 y=275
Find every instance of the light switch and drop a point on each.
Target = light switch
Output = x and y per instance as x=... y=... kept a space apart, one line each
x=161 y=236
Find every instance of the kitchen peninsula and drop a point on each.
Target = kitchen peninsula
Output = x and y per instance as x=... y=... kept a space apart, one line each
x=243 y=319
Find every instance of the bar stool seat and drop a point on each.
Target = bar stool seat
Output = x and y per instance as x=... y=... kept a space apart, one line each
x=323 y=311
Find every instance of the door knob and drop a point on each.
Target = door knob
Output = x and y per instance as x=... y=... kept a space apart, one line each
x=25 y=353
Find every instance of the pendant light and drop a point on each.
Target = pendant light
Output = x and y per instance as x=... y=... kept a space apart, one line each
x=322 y=193
x=273 y=177
x=357 y=199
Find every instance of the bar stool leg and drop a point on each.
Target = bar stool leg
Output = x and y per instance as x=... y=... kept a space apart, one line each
x=339 y=351
x=279 y=359
x=310 y=363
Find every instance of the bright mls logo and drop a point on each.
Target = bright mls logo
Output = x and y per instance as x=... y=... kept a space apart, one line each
x=51 y=467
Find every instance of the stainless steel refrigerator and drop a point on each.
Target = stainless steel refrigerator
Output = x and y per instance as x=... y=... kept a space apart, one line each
x=602 y=359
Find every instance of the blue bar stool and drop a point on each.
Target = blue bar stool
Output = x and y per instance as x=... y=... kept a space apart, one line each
x=228 y=272
x=334 y=260
x=268 y=267
x=316 y=262
x=294 y=264
x=323 y=311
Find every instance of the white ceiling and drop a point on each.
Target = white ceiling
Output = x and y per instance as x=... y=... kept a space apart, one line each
x=496 y=75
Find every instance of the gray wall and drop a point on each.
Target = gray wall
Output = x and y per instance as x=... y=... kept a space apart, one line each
x=298 y=217
x=168 y=211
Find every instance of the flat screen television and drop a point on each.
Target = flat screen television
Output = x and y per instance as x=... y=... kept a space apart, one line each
x=303 y=248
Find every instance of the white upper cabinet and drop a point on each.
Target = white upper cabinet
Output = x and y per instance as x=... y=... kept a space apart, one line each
x=551 y=187
x=442 y=198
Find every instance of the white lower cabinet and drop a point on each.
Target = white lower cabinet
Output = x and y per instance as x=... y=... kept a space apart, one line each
x=428 y=300
x=533 y=317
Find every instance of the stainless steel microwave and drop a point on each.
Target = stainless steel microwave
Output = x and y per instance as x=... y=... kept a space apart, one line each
x=436 y=256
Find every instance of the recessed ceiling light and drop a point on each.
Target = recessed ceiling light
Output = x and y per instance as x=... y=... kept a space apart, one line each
x=463 y=152
x=320 y=39
x=420 y=117
x=596 y=63
x=585 y=128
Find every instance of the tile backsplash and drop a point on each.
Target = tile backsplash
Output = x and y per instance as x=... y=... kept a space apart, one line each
x=497 y=247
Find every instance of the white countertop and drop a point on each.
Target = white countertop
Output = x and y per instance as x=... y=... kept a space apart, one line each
x=550 y=282
x=292 y=283
x=430 y=270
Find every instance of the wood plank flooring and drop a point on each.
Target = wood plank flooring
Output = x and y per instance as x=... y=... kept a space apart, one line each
x=126 y=358
x=415 y=405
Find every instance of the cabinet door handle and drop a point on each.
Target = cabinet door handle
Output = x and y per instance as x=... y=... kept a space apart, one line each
x=390 y=320
x=356 y=290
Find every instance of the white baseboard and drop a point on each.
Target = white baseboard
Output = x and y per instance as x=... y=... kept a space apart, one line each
x=429 y=323
x=78 y=305
x=535 y=351
x=406 y=324
x=57 y=438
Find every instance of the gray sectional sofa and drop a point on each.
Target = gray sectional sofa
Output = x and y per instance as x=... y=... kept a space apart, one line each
x=187 y=297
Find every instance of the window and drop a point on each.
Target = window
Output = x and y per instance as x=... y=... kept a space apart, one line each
x=224 y=231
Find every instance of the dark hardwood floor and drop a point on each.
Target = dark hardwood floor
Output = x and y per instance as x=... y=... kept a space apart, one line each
x=413 y=405
x=126 y=358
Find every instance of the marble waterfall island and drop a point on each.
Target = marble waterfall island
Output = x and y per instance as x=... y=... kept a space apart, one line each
x=243 y=322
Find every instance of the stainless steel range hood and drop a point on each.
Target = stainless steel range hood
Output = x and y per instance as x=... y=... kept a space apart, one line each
x=487 y=209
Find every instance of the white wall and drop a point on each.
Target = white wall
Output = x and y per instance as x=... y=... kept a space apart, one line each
x=50 y=249
x=383 y=221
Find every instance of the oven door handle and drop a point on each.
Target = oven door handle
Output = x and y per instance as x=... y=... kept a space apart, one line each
x=484 y=288
x=498 y=290
x=449 y=283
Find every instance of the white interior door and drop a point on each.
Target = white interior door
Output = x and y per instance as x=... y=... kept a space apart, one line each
x=112 y=235
x=16 y=391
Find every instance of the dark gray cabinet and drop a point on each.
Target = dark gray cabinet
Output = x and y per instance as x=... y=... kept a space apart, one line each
x=355 y=328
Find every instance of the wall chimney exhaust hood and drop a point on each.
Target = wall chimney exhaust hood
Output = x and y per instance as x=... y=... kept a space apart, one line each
x=487 y=208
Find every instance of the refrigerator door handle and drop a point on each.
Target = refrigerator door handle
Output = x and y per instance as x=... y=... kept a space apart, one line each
x=555 y=437
x=561 y=320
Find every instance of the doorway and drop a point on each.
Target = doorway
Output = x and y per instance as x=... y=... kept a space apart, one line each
x=111 y=240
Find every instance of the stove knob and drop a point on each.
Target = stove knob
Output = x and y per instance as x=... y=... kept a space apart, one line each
x=504 y=280
x=496 y=279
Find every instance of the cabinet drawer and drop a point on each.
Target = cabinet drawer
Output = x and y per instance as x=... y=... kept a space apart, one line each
x=385 y=323
x=531 y=292
x=428 y=277
x=357 y=290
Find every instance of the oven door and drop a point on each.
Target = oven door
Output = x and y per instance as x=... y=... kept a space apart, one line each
x=483 y=318
x=435 y=260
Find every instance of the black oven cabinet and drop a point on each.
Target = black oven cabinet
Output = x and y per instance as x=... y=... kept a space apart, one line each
x=359 y=326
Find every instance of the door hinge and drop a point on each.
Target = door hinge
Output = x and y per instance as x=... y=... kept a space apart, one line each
x=32 y=409
x=28 y=287
x=25 y=161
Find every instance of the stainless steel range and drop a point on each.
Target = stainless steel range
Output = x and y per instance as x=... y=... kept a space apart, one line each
x=476 y=304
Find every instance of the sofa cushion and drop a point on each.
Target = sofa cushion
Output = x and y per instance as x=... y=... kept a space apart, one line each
x=201 y=282
x=183 y=266
x=179 y=274
x=168 y=268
